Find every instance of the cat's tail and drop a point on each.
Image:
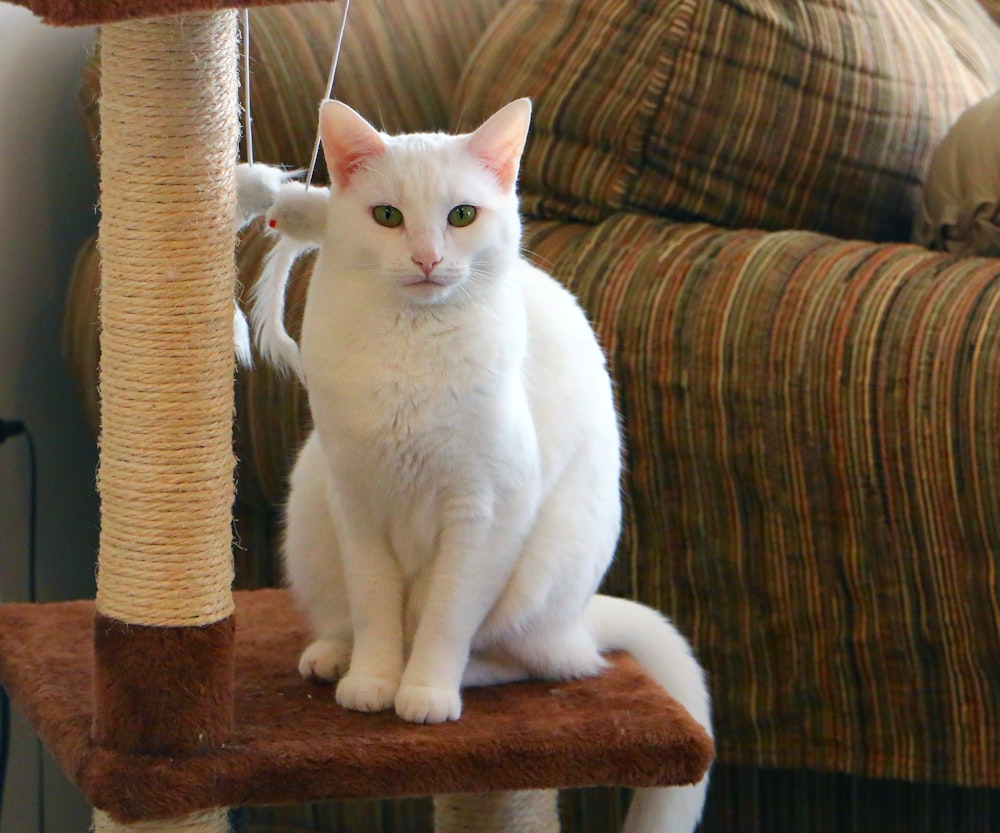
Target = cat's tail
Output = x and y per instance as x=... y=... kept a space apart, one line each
x=666 y=656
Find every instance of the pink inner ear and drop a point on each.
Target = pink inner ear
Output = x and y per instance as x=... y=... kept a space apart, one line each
x=498 y=144
x=348 y=162
x=345 y=158
x=503 y=164
x=348 y=142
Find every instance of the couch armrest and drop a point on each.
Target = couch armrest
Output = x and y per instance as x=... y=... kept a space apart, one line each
x=813 y=481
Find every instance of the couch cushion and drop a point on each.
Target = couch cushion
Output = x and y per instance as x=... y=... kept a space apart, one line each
x=399 y=67
x=812 y=477
x=761 y=113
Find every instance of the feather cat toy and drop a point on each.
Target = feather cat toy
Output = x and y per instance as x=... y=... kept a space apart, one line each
x=453 y=512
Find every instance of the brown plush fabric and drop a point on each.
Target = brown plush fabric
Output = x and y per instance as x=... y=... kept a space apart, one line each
x=91 y=12
x=185 y=706
x=291 y=742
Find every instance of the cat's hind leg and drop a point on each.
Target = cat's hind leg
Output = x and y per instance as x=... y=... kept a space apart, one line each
x=539 y=620
x=558 y=653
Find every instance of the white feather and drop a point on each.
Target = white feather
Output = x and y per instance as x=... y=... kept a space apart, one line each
x=267 y=311
x=257 y=186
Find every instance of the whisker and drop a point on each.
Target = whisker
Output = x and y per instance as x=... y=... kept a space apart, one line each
x=536 y=258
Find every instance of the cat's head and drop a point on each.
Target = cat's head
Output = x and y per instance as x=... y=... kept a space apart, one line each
x=430 y=217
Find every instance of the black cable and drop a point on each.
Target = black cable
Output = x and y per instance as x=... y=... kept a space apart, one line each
x=4 y=741
x=32 y=517
x=15 y=428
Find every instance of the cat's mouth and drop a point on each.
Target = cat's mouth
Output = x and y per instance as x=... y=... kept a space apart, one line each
x=427 y=289
x=422 y=283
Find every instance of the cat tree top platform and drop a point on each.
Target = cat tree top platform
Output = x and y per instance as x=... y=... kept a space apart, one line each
x=292 y=742
x=92 y=12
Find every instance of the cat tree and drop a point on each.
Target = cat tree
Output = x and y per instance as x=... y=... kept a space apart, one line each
x=160 y=709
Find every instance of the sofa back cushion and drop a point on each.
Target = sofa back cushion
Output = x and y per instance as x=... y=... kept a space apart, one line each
x=399 y=67
x=746 y=113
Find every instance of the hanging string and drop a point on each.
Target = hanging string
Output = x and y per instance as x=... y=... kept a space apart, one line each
x=247 y=118
x=329 y=90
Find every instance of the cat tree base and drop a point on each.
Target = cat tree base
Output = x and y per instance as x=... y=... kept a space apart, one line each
x=292 y=743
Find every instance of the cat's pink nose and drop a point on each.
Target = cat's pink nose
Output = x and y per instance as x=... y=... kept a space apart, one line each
x=426 y=263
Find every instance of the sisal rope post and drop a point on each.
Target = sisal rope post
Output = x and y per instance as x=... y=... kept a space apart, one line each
x=164 y=631
x=521 y=811
x=168 y=130
x=210 y=821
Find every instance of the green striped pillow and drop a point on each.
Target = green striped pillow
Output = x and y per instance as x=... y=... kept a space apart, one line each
x=746 y=113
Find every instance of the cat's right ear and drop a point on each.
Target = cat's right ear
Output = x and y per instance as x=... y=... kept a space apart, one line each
x=348 y=141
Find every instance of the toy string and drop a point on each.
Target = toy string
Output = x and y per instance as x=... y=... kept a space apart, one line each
x=247 y=118
x=329 y=89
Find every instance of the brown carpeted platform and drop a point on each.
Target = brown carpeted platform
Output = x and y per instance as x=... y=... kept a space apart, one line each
x=293 y=743
x=91 y=12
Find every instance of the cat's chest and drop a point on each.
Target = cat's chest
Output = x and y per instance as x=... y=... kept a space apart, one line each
x=380 y=377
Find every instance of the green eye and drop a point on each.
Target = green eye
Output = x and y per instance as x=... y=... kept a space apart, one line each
x=462 y=215
x=387 y=215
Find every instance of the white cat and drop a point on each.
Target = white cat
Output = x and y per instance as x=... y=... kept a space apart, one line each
x=454 y=510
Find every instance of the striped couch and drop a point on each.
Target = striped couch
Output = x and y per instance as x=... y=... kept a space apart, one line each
x=812 y=405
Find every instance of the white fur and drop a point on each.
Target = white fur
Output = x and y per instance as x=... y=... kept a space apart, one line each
x=267 y=313
x=257 y=187
x=452 y=514
x=298 y=217
x=299 y=213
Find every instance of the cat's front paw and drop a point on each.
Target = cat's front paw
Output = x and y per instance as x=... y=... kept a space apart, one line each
x=423 y=704
x=325 y=660
x=366 y=693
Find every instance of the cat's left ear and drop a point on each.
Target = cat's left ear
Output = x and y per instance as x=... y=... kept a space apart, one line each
x=498 y=144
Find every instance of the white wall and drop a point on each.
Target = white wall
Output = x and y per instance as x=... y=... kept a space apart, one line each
x=48 y=194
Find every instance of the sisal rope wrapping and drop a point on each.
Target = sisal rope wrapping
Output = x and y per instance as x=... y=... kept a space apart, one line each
x=169 y=123
x=210 y=821
x=522 y=811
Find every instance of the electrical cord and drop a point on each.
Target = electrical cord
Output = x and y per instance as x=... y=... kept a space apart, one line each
x=4 y=741
x=16 y=428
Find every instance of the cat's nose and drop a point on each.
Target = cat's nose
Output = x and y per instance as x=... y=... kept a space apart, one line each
x=426 y=262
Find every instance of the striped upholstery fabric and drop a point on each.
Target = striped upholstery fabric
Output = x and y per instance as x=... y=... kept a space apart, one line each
x=740 y=801
x=399 y=67
x=813 y=474
x=747 y=113
x=992 y=8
